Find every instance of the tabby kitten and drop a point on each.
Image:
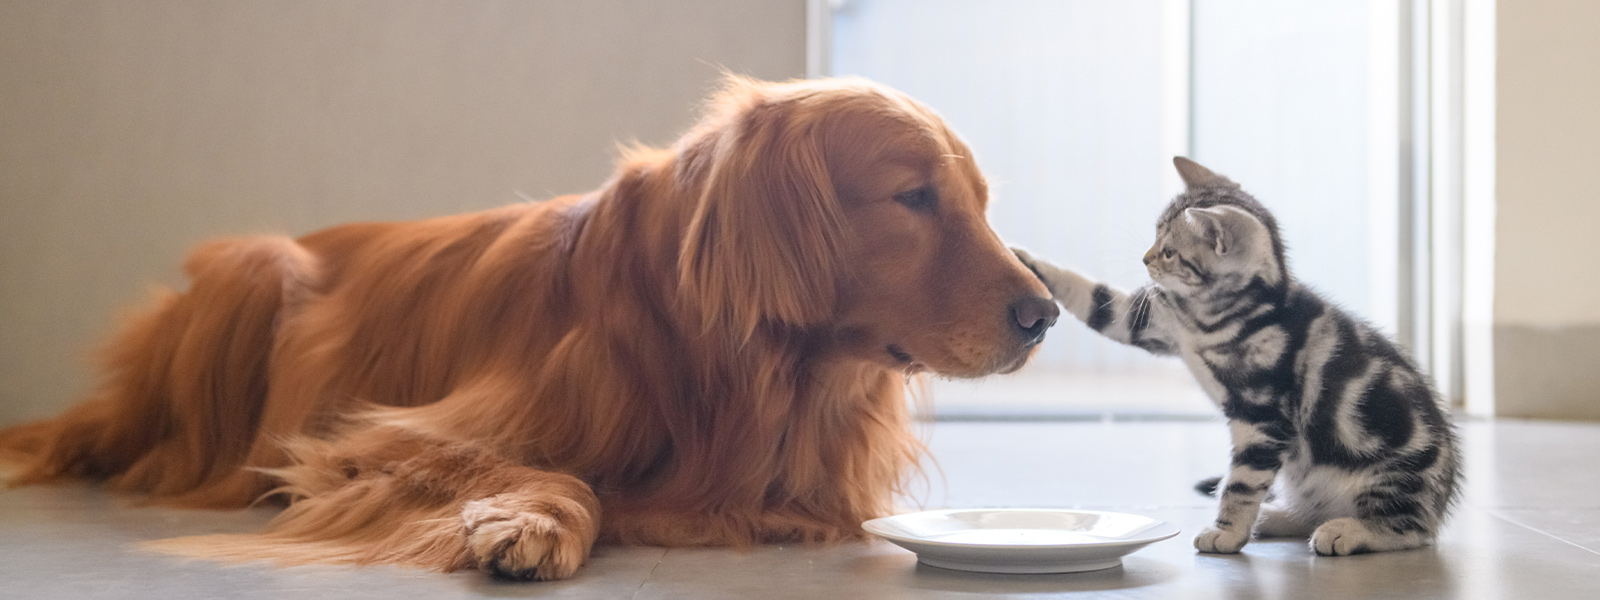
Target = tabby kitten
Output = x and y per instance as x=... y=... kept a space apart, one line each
x=1364 y=456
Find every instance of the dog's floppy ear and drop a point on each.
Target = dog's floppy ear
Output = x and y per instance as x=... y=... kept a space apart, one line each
x=764 y=241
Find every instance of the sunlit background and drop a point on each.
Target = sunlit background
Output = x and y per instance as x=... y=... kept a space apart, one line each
x=131 y=131
x=1075 y=109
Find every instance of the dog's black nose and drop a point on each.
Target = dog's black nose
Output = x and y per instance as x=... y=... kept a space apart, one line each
x=1033 y=315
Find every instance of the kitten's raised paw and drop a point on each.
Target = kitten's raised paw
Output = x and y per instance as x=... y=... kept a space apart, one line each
x=1027 y=261
x=1220 y=541
x=1341 y=537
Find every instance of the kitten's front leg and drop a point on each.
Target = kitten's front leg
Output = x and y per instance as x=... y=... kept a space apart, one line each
x=1127 y=318
x=1257 y=456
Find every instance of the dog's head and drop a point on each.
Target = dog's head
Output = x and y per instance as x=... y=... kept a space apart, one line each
x=845 y=206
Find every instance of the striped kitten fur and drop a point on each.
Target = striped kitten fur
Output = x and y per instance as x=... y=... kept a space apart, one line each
x=1321 y=404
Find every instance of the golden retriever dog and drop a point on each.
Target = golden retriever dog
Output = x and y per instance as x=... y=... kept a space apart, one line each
x=711 y=349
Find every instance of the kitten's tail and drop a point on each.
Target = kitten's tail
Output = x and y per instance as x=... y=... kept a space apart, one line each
x=1208 y=486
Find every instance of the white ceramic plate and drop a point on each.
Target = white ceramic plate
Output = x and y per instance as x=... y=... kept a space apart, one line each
x=1021 y=540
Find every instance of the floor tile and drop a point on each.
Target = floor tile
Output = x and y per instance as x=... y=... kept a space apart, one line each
x=1579 y=526
x=1531 y=464
x=1479 y=556
x=1529 y=527
x=76 y=542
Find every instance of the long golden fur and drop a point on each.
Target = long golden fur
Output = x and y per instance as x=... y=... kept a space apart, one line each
x=711 y=349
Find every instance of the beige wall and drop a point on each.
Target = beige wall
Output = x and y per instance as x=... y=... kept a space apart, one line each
x=131 y=130
x=1548 y=121
x=1547 y=284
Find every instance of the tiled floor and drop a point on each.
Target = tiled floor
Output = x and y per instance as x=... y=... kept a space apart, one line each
x=1529 y=529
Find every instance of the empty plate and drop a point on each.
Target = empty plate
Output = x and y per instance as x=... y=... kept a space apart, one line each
x=1021 y=540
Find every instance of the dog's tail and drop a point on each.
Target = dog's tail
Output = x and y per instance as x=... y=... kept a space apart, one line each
x=186 y=382
x=1208 y=486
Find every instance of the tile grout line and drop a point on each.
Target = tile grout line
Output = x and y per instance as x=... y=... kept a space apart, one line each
x=652 y=572
x=1496 y=514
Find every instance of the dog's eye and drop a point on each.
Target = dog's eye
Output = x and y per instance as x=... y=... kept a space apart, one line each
x=921 y=199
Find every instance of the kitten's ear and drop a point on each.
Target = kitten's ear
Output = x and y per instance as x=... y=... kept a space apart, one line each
x=1195 y=176
x=1222 y=226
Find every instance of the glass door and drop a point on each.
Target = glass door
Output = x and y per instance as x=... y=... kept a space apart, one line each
x=1074 y=110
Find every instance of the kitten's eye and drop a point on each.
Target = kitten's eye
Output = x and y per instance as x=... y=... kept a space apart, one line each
x=922 y=199
x=1168 y=254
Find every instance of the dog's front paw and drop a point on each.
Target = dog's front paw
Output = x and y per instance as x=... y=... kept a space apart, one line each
x=1341 y=537
x=510 y=539
x=1220 y=541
